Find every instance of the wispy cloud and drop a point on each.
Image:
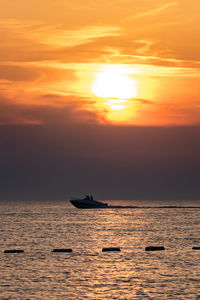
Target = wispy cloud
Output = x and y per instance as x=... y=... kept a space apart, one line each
x=150 y=12
x=56 y=36
x=154 y=60
x=157 y=10
x=68 y=38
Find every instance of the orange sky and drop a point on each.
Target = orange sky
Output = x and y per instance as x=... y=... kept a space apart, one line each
x=51 y=53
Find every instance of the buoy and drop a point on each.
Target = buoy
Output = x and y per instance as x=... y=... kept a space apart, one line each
x=111 y=249
x=196 y=248
x=154 y=248
x=62 y=250
x=14 y=251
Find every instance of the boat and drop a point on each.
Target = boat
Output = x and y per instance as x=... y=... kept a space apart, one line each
x=88 y=202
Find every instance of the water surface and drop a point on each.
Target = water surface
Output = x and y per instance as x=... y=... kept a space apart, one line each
x=89 y=273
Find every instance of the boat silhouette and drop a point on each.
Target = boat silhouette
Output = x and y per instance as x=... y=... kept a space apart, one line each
x=87 y=202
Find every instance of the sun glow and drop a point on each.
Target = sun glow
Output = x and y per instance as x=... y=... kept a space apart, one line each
x=116 y=104
x=115 y=85
x=114 y=82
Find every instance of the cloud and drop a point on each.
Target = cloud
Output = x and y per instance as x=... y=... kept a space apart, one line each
x=69 y=38
x=36 y=41
x=63 y=91
x=55 y=35
x=150 y=12
x=18 y=73
x=59 y=58
x=157 y=10
x=51 y=109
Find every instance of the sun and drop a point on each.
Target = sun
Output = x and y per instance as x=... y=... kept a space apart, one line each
x=114 y=82
x=115 y=87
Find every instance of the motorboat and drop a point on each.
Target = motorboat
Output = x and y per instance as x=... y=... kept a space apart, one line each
x=88 y=202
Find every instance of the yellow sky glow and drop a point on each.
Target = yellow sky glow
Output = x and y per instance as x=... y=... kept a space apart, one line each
x=124 y=62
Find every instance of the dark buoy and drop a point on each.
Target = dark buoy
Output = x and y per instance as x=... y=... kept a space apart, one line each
x=62 y=250
x=196 y=248
x=14 y=251
x=154 y=248
x=111 y=249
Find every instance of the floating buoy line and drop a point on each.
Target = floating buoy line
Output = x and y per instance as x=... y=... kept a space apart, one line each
x=105 y=249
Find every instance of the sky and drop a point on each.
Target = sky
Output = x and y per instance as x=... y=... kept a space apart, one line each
x=99 y=97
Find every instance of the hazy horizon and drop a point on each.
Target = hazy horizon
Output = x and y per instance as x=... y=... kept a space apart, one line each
x=55 y=162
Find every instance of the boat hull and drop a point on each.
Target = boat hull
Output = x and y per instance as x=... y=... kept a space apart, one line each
x=88 y=204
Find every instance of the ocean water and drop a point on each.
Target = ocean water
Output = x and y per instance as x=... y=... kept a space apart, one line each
x=89 y=273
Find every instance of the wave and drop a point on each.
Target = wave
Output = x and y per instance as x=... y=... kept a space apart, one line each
x=151 y=207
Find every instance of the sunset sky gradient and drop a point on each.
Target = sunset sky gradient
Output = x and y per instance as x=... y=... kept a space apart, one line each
x=51 y=55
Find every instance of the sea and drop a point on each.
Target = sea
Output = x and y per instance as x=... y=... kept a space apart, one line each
x=89 y=273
